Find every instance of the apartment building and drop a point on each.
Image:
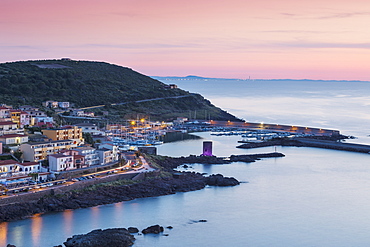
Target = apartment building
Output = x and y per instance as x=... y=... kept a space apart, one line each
x=8 y=127
x=90 y=154
x=39 y=151
x=69 y=133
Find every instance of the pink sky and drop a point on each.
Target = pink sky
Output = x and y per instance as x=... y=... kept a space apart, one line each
x=306 y=39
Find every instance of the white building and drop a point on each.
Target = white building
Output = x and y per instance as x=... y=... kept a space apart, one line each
x=4 y=114
x=112 y=147
x=13 y=139
x=89 y=128
x=10 y=168
x=8 y=127
x=40 y=150
x=105 y=156
x=61 y=162
x=91 y=156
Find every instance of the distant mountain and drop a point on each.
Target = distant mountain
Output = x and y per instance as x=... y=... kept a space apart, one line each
x=193 y=77
x=86 y=83
x=189 y=77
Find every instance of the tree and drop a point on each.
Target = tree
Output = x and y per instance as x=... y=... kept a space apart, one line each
x=88 y=138
x=18 y=154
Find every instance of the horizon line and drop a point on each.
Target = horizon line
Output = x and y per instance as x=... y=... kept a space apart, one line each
x=257 y=79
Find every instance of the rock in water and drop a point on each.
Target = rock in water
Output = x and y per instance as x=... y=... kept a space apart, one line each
x=133 y=230
x=153 y=229
x=220 y=180
x=118 y=237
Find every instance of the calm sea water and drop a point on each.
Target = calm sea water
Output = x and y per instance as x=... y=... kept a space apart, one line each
x=311 y=197
x=341 y=105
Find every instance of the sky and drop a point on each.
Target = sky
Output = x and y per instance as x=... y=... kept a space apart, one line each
x=270 y=39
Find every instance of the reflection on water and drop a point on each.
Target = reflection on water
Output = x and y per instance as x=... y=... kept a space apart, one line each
x=342 y=105
x=36 y=229
x=3 y=233
x=68 y=221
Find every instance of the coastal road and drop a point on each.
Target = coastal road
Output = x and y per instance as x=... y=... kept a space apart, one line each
x=137 y=101
x=145 y=167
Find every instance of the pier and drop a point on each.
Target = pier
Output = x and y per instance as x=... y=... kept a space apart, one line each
x=276 y=127
x=310 y=142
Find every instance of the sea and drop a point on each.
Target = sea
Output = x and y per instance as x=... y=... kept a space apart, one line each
x=310 y=197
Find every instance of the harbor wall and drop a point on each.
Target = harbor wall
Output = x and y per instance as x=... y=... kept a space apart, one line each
x=277 y=127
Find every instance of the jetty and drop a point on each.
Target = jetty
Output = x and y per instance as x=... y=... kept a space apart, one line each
x=276 y=127
x=311 y=142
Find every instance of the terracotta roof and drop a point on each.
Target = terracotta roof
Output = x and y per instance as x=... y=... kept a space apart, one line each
x=8 y=162
x=29 y=163
x=60 y=155
x=7 y=123
x=12 y=136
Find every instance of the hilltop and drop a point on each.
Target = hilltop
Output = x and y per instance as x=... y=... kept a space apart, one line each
x=89 y=83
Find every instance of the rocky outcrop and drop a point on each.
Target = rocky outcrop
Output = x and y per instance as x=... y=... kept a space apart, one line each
x=220 y=180
x=118 y=237
x=156 y=229
x=170 y=163
x=133 y=230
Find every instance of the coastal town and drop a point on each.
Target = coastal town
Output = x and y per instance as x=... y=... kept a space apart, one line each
x=37 y=153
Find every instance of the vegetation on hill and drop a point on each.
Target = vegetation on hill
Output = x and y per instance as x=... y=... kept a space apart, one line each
x=86 y=83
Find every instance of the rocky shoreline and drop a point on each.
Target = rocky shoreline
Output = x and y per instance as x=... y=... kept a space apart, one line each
x=167 y=182
x=170 y=163
x=104 y=194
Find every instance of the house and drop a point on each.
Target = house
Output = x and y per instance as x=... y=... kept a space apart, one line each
x=112 y=147
x=13 y=139
x=180 y=120
x=63 y=105
x=91 y=157
x=105 y=156
x=89 y=128
x=77 y=113
x=61 y=162
x=40 y=150
x=171 y=86
x=78 y=160
x=14 y=168
x=50 y=104
x=68 y=133
x=8 y=127
x=36 y=116
x=43 y=121
x=4 y=114
x=21 y=118
x=28 y=108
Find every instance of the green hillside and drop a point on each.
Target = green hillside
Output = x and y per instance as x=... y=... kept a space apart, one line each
x=86 y=83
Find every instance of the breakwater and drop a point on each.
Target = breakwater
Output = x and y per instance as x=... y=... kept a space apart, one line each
x=308 y=142
x=277 y=127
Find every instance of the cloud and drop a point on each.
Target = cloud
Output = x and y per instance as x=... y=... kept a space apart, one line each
x=323 y=45
x=345 y=15
x=144 y=46
x=340 y=15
